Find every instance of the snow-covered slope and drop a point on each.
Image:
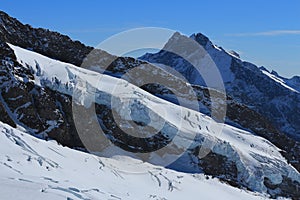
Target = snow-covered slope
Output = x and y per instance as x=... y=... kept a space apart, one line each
x=292 y=84
x=258 y=163
x=279 y=80
x=31 y=168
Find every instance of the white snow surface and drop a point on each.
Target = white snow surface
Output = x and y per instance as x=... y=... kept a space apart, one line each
x=256 y=157
x=32 y=168
x=279 y=80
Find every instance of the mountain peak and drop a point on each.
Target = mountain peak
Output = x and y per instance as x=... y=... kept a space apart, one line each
x=200 y=38
x=264 y=69
x=3 y=14
x=5 y=19
x=274 y=73
x=176 y=36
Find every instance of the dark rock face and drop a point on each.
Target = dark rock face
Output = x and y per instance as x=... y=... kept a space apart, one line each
x=270 y=99
x=285 y=186
x=48 y=43
x=200 y=38
x=4 y=117
x=127 y=142
x=5 y=55
x=41 y=111
x=221 y=167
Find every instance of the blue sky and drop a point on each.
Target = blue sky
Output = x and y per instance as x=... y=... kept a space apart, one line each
x=264 y=32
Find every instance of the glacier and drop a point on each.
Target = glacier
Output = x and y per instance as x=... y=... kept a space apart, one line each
x=255 y=158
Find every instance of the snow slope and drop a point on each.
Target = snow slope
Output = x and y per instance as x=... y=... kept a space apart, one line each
x=279 y=80
x=31 y=168
x=254 y=157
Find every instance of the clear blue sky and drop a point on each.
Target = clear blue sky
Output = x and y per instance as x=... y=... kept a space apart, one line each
x=262 y=31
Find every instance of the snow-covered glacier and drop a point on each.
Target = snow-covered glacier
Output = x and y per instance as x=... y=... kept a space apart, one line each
x=32 y=168
x=256 y=163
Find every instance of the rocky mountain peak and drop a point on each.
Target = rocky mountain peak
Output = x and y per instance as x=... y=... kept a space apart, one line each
x=263 y=69
x=172 y=43
x=274 y=73
x=3 y=16
x=200 y=38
